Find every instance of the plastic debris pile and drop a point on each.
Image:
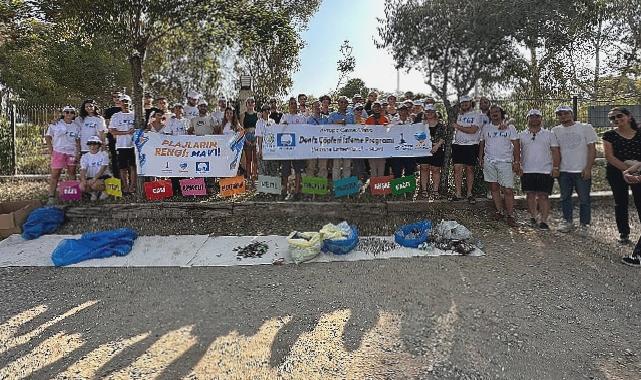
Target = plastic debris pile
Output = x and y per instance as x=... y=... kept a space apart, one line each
x=453 y=237
x=375 y=246
x=252 y=250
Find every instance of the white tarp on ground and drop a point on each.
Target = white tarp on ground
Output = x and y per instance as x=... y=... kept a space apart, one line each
x=187 y=251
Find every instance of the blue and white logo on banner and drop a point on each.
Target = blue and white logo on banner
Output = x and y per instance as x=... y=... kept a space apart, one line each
x=286 y=139
x=202 y=167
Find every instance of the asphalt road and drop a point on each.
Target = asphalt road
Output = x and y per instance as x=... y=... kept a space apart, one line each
x=538 y=306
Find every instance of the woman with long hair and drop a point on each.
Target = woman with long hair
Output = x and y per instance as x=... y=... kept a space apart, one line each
x=622 y=147
x=230 y=123
x=63 y=144
x=430 y=167
x=91 y=124
x=250 y=117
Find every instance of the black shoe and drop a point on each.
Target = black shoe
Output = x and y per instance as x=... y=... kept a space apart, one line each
x=544 y=226
x=624 y=240
x=455 y=199
x=533 y=222
x=632 y=260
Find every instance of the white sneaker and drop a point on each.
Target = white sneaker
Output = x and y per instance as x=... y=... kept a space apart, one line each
x=103 y=196
x=566 y=227
x=94 y=196
x=584 y=230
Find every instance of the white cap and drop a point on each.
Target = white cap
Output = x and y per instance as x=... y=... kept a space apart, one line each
x=124 y=97
x=408 y=102
x=418 y=103
x=178 y=105
x=94 y=140
x=222 y=97
x=357 y=105
x=563 y=108
x=390 y=96
x=193 y=95
x=429 y=107
x=69 y=109
x=465 y=98
x=202 y=102
x=534 y=112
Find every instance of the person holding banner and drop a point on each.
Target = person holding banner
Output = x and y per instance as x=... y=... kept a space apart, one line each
x=94 y=169
x=342 y=117
x=63 y=144
x=403 y=166
x=465 y=147
x=293 y=118
x=377 y=165
x=203 y=124
x=264 y=123
x=156 y=122
x=191 y=108
x=430 y=167
x=122 y=127
x=316 y=118
x=91 y=124
x=177 y=124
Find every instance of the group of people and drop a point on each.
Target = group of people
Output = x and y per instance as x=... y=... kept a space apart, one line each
x=483 y=137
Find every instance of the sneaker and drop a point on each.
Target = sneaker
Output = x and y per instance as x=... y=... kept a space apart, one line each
x=471 y=199
x=103 y=196
x=584 y=230
x=566 y=227
x=624 y=240
x=289 y=197
x=94 y=196
x=510 y=221
x=544 y=226
x=632 y=260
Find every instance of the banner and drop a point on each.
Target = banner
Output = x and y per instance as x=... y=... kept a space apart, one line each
x=380 y=185
x=347 y=186
x=113 y=187
x=315 y=185
x=302 y=141
x=403 y=185
x=159 y=155
x=269 y=185
x=158 y=190
x=69 y=191
x=193 y=187
x=232 y=186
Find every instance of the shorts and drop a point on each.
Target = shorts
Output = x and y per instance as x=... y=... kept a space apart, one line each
x=434 y=160
x=465 y=154
x=499 y=172
x=537 y=183
x=61 y=160
x=126 y=158
x=298 y=165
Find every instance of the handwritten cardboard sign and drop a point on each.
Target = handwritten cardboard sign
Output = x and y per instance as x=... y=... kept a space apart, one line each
x=193 y=187
x=269 y=185
x=380 y=185
x=315 y=185
x=346 y=186
x=403 y=185
x=69 y=191
x=113 y=187
x=158 y=190
x=232 y=186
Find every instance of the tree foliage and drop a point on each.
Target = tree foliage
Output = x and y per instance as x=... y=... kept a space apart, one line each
x=352 y=87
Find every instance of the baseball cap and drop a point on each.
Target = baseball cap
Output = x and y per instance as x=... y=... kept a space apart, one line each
x=534 y=112
x=465 y=98
x=358 y=105
x=178 y=105
x=417 y=103
x=202 y=102
x=429 y=107
x=94 y=140
x=222 y=97
x=391 y=96
x=264 y=108
x=193 y=95
x=124 y=98
x=403 y=107
x=563 y=108
x=69 y=109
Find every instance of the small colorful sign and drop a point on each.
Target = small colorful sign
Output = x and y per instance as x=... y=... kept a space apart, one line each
x=347 y=186
x=69 y=191
x=191 y=187
x=113 y=187
x=158 y=190
x=403 y=185
x=380 y=185
x=232 y=186
x=269 y=185
x=315 y=185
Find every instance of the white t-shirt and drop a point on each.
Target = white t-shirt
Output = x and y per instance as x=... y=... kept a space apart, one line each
x=123 y=122
x=190 y=112
x=498 y=143
x=573 y=142
x=218 y=116
x=202 y=125
x=536 y=155
x=64 y=136
x=176 y=126
x=227 y=129
x=467 y=120
x=90 y=126
x=398 y=121
x=92 y=163
x=289 y=118
x=262 y=125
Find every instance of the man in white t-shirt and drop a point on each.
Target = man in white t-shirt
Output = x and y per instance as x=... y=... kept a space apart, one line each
x=191 y=108
x=577 y=146
x=292 y=117
x=94 y=169
x=499 y=155
x=178 y=123
x=121 y=126
x=203 y=124
x=465 y=147
x=540 y=160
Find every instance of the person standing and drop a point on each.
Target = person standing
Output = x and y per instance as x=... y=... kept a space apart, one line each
x=292 y=118
x=122 y=127
x=342 y=117
x=377 y=165
x=177 y=124
x=540 y=160
x=302 y=105
x=250 y=117
x=264 y=123
x=63 y=144
x=191 y=108
x=314 y=164
x=431 y=165
x=500 y=156
x=622 y=145
x=111 y=139
x=203 y=124
x=465 y=148
x=219 y=114
x=633 y=177
x=403 y=166
x=91 y=124
x=274 y=113
x=578 y=152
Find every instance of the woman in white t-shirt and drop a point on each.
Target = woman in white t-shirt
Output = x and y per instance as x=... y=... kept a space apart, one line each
x=94 y=169
x=63 y=144
x=91 y=124
x=230 y=123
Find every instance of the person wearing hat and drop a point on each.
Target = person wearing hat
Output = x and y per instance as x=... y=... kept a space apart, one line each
x=94 y=169
x=540 y=160
x=377 y=165
x=122 y=127
x=191 y=108
x=343 y=117
x=391 y=110
x=203 y=124
x=63 y=145
x=91 y=124
x=178 y=123
x=362 y=114
x=578 y=152
x=465 y=148
x=219 y=114
x=403 y=166
x=417 y=111
x=430 y=167
x=317 y=164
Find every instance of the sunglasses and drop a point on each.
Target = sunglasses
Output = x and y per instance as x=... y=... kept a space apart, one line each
x=71 y=112
x=533 y=136
x=617 y=116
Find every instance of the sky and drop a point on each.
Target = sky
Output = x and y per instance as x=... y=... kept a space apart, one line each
x=353 y=20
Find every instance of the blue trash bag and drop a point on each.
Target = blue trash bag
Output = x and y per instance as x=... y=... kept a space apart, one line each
x=43 y=220
x=412 y=235
x=94 y=245
x=342 y=246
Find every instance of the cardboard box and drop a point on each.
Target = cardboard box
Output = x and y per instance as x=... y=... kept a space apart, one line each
x=14 y=214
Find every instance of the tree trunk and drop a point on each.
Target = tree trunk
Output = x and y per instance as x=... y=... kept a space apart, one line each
x=535 y=76
x=445 y=170
x=136 y=60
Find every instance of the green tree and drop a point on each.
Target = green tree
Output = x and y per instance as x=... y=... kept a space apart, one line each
x=352 y=87
x=346 y=64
